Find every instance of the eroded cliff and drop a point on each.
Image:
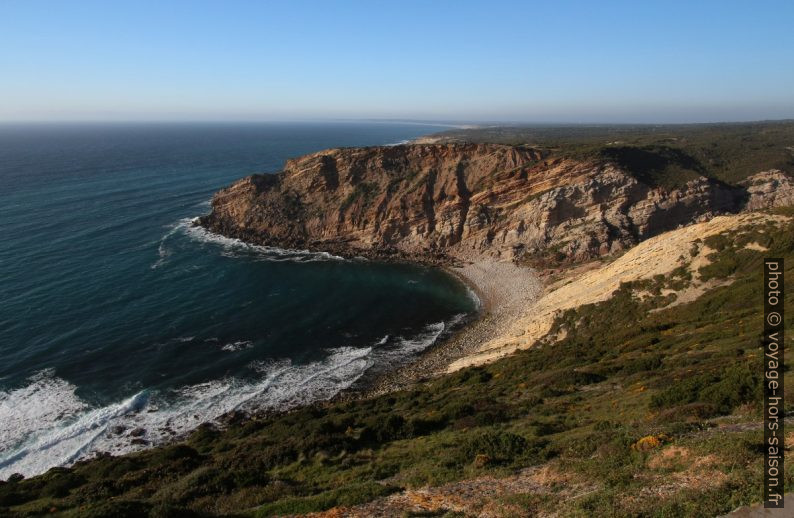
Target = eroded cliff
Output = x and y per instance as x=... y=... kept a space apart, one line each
x=431 y=202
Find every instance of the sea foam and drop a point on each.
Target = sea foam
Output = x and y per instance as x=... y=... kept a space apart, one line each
x=233 y=247
x=45 y=424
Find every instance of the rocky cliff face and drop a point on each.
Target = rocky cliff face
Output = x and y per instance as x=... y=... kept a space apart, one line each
x=436 y=201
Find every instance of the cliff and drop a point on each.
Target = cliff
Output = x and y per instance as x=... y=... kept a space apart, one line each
x=434 y=202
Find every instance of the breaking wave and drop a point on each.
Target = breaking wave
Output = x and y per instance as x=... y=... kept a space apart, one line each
x=233 y=247
x=46 y=424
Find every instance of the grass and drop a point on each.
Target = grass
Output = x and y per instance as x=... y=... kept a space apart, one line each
x=621 y=374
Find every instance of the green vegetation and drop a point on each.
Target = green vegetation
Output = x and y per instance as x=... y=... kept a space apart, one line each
x=624 y=410
x=660 y=155
x=349 y=495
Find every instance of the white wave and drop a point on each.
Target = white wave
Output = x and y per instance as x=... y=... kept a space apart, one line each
x=400 y=349
x=232 y=245
x=45 y=424
x=42 y=403
x=454 y=321
x=239 y=345
x=293 y=385
x=474 y=297
x=163 y=252
x=421 y=341
x=67 y=430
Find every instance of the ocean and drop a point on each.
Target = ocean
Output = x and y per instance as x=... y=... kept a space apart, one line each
x=123 y=326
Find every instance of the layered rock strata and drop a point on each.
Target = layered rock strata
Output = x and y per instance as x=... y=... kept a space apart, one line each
x=436 y=202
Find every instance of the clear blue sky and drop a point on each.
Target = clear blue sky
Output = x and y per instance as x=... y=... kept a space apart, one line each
x=560 y=61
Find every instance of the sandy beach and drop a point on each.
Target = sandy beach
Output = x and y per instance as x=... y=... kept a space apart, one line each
x=505 y=291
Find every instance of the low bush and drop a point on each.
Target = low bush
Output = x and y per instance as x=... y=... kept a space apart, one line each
x=350 y=495
x=723 y=391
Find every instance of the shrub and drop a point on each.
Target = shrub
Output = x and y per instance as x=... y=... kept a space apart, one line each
x=165 y=510
x=738 y=384
x=60 y=484
x=345 y=496
x=500 y=447
x=650 y=442
x=116 y=509
x=734 y=386
x=644 y=363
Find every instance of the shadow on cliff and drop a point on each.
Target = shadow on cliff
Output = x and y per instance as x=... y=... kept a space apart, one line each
x=657 y=166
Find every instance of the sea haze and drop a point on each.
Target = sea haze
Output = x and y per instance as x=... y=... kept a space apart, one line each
x=118 y=314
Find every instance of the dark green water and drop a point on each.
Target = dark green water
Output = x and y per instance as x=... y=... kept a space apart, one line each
x=116 y=312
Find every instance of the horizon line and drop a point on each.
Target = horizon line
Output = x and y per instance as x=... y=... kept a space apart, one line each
x=452 y=123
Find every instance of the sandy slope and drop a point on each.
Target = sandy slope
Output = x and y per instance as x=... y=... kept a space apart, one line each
x=658 y=255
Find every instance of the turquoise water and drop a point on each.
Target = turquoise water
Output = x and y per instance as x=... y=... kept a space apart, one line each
x=118 y=314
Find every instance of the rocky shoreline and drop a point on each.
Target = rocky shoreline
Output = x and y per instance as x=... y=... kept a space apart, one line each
x=338 y=247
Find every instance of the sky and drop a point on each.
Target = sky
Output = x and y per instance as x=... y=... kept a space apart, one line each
x=467 y=61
